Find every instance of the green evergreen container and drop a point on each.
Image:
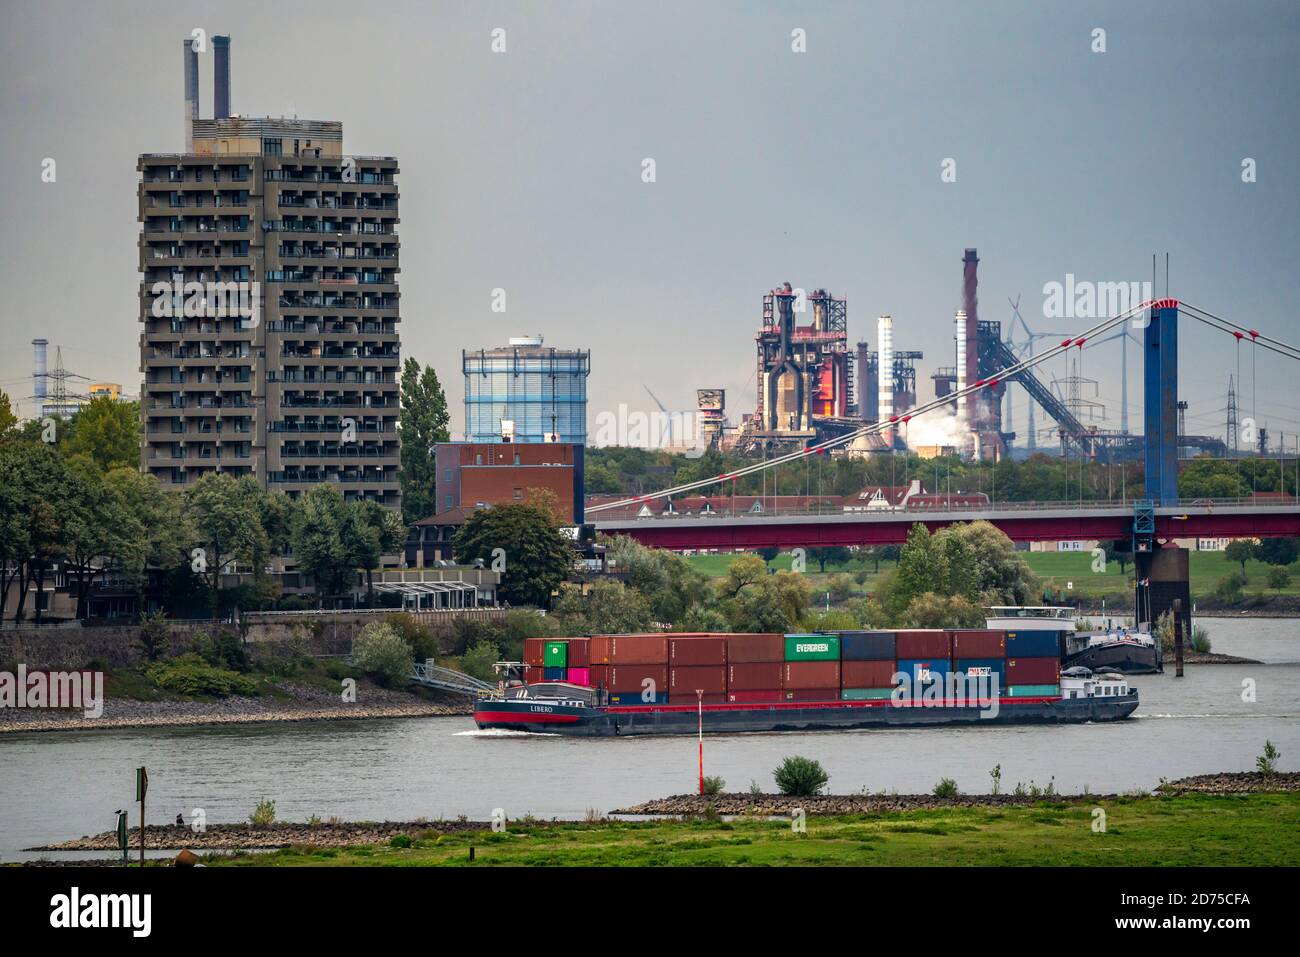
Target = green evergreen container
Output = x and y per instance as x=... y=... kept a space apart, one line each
x=865 y=694
x=1034 y=691
x=555 y=654
x=812 y=647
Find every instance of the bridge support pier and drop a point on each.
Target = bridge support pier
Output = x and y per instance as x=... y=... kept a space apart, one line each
x=1163 y=584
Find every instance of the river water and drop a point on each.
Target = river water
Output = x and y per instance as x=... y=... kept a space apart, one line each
x=56 y=786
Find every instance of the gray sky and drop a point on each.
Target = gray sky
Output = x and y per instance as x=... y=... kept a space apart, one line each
x=523 y=171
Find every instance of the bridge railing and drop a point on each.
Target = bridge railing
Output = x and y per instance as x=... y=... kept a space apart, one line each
x=942 y=508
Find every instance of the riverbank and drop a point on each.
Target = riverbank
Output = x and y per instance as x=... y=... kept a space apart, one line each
x=338 y=834
x=292 y=702
x=1185 y=830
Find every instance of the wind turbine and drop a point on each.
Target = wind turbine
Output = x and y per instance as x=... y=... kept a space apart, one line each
x=668 y=419
x=1025 y=350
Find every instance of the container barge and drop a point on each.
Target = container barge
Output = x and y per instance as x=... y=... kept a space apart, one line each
x=613 y=685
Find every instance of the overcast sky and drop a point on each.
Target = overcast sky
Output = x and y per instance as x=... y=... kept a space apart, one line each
x=522 y=171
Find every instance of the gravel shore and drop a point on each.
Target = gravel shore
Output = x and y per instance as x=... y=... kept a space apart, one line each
x=304 y=704
x=219 y=837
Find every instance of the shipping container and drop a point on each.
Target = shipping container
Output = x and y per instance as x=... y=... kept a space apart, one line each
x=928 y=669
x=1033 y=644
x=711 y=679
x=812 y=694
x=579 y=653
x=534 y=674
x=1033 y=671
x=701 y=650
x=555 y=674
x=626 y=698
x=638 y=649
x=865 y=694
x=867 y=674
x=556 y=654
x=535 y=652
x=978 y=644
x=922 y=643
x=981 y=668
x=867 y=646
x=811 y=674
x=756 y=696
x=633 y=678
x=745 y=649
x=1034 y=691
x=755 y=675
x=580 y=676
x=600 y=676
x=812 y=647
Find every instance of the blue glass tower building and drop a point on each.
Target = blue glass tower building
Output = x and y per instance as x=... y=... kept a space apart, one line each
x=526 y=392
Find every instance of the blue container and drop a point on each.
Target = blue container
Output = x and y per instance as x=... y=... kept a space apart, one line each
x=935 y=668
x=1033 y=644
x=555 y=674
x=635 y=697
x=866 y=645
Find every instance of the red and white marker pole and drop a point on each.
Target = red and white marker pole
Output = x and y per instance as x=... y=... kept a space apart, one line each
x=700 y=694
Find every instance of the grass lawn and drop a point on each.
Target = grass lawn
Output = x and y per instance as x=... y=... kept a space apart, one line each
x=1055 y=569
x=1183 y=831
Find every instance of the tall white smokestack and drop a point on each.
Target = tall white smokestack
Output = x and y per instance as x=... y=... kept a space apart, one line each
x=40 y=381
x=960 y=324
x=885 y=367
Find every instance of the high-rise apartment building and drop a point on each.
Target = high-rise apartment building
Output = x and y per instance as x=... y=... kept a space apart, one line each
x=526 y=392
x=269 y=304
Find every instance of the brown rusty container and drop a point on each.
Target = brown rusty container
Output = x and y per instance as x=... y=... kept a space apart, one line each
x=755 y=696
x=697 y=650
x=812 y=694
x=638 y=649
x=799 y=675
x=533 y=674
x=745 y=649
x=599 y=676
x=755 y=675
x=579 y=652
x=978 y=644
x=1033 y=671
x=534 y=651
x=867 y=674
x=633 y=677
x=711 y=679
x=923 y=643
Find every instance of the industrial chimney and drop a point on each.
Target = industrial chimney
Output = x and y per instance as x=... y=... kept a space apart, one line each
x=960 y=335
x=970 y=303
x=885 y=373
x=190 y=67
x=220 y=77
x=40 y=381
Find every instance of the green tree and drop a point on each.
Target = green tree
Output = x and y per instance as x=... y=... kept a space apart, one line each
x=381 y=652
x=1279 y=551
x=536 y=554
x=768 y=554
x=369 y=532
x=1002 y=573
x=33 y=481
x=106 y=431
x=942 y=611
x=326 y=536
x=8 y=421
x=776 y=603
x=422 y=422
x=1240 y=550
x=669 y=582
x=800 y=777
x=1212 y=478
x=742 y=572
x=1120 y=551
x=227 y=517
x=1278 y=578
x=607 y=607
x=921 y=569
x=959 y=565
x=834 y=554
